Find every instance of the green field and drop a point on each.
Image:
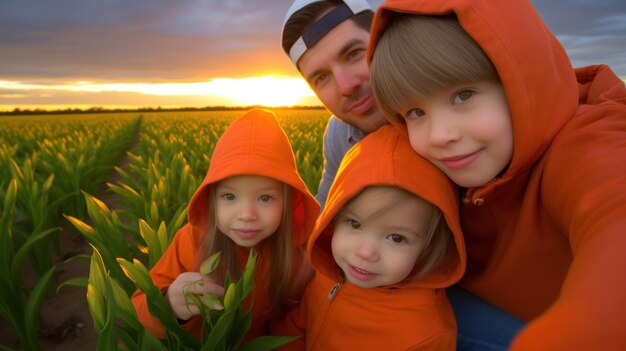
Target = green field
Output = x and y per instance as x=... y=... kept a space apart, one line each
x=120 y=180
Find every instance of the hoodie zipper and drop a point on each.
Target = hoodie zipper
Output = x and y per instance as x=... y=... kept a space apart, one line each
x=324 y=323
x=333 y=290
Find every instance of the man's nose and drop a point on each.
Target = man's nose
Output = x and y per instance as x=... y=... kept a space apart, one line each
x=347 y=81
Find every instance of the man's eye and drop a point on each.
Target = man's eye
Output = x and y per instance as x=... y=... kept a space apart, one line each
x=355 y=54
x=319 y=80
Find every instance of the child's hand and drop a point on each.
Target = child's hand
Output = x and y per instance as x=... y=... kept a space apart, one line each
x=198 y=284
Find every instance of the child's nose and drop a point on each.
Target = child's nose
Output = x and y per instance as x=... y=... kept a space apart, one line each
x=248 y=211
x=442 y=130
x=367 y=250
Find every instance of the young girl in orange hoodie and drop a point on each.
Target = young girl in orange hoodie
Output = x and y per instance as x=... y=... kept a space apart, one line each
x=251 y=197
x=486 y=93
x=383 y=249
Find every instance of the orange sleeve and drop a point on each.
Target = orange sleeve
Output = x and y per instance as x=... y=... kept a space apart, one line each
x=590 y=313
x=178 y=258
x=585 y=194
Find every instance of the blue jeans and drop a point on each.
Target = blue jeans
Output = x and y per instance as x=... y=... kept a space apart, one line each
x=481 y=326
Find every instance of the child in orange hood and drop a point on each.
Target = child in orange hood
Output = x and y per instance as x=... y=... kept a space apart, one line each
x=384 y=248
x=252 y=196
x=486 y=92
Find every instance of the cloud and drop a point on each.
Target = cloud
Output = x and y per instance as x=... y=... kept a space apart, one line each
x=140 y=40
x=592 y=32
x=198 y=40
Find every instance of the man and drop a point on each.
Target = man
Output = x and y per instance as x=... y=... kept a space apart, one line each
x=327 y=42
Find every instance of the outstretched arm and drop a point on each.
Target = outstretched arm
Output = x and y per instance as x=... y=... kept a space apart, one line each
x=585 y=193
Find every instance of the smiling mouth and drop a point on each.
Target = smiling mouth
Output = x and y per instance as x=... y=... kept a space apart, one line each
x=361 y=270
x=460 y=161
x=362 y=105
x=360 y=274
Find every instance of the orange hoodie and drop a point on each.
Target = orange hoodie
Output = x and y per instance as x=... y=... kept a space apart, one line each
x=252 y=144
x=546 y=240
x=411 y=315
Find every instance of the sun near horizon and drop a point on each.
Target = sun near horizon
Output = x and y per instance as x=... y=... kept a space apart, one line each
x=266 y=90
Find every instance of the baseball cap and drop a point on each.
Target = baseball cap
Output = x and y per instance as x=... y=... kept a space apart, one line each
x=322 y=26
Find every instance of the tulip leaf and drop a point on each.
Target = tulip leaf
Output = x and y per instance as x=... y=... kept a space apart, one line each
x=210 y=264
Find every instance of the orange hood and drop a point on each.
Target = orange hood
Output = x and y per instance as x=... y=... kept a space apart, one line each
x=536 y=73
x=256 y=144
x=386 y=158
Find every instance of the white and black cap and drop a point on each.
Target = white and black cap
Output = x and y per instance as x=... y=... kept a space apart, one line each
x=322 y=26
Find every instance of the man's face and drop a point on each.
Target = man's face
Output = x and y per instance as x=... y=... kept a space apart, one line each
x=337 y=71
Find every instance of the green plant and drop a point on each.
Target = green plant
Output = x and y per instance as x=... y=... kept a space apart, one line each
x=224 y=324
x=223 y=328
x=113 y=314
x=55 y=159
x=18 y=306
x=107 y=236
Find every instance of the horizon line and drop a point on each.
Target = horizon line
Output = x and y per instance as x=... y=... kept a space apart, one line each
x=20 y=111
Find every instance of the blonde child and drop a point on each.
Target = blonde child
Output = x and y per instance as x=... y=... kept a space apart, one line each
x=486 y=93
x=383 y=249
x=251 y=197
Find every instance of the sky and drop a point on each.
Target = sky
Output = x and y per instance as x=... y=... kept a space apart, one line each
x=119 y=53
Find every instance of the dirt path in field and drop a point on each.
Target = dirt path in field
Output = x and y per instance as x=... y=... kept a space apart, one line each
x=66 y=323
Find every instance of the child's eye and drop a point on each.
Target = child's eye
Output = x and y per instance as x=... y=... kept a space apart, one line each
x=462 y=96
x=265 y=198
x=397 y=238
x=228 y=196
x=414 y=114
x=353 y=224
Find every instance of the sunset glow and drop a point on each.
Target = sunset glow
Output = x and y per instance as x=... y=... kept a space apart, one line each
x=267 y=91
x=90 y=55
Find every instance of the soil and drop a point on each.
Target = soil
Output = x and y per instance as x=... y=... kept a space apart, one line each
x=66 y=322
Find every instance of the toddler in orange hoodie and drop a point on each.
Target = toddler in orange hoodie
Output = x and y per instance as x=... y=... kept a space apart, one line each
x=384 y=248
x=251 y=197
x=484 y=91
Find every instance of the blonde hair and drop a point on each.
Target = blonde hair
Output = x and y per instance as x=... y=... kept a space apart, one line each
x=417 y=56
x=438 y=239
x=287 y=278
x=438 y=245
